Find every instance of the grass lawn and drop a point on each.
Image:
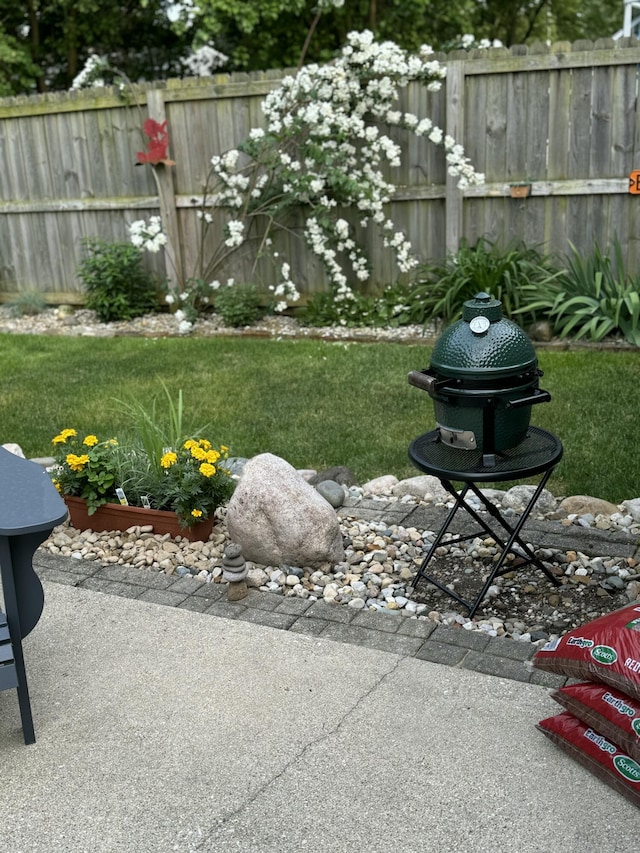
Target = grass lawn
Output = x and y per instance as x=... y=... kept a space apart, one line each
x=315 y=403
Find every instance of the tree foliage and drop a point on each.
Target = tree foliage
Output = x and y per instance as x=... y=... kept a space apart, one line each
x=45 y=43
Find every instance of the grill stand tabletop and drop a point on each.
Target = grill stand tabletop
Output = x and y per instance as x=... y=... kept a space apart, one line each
x=537 y=454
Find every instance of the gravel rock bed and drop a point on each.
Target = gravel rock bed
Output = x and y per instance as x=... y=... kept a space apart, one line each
x=379 y=567
x=84 y=323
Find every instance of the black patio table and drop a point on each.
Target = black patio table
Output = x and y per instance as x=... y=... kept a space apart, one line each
x=30 y=507
x=537 y=454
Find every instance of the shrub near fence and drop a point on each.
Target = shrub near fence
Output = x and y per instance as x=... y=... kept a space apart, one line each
x=562 y=120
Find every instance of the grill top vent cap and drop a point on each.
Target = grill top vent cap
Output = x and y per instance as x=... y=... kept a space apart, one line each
x=482 y=305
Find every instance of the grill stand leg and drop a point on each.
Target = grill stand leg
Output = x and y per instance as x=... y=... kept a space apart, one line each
x=507 y=547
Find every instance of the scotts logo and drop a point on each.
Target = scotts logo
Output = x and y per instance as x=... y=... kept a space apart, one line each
x=635 y=725
x=604 y=654
x=627 y=767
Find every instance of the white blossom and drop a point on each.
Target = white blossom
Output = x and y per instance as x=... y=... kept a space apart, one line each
x=203 y=61
x=92 y=73
x=148 y=235
x=235 y=229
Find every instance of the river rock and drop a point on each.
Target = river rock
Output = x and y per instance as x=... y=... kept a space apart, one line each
x=332 y=492
x=277 y=517
x=338 y=473
x=15 y=449
x=235 y=465
x=540 y=331
x=380 y=485
x=584 y=504
x=519 y=496
x=419 y=487
x=632 y=507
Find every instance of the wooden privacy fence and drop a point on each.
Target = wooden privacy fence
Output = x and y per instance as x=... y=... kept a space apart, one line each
x=562 y=120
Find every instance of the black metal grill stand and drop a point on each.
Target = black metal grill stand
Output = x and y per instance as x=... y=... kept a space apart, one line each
x=537 y=454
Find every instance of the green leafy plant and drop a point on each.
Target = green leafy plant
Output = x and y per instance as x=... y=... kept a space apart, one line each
x=238 y=304
x=194 y=300
x=155 y=465
x=397 y=305
x=117 y=287
x=595 y=298
x=516 y=275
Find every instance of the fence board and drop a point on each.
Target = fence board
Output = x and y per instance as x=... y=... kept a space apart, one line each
x=580 y=124
x=536 y=131
x=565 y=119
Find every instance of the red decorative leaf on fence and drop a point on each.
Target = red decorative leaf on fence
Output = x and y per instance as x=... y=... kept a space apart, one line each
x=158 y=145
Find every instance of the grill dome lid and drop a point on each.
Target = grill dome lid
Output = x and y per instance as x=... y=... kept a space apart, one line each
x=483 y=344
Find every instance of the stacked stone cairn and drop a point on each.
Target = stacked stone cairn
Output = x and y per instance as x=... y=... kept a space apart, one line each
x=234 y=571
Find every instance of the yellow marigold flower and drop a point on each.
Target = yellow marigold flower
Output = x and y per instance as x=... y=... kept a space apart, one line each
x=207 y=470
x=198 y=453
x=63 y=436
x=76 y=463
x=112 y=441
x=224 y=448
x=56 y=483
x=90 y=440
x=206 y=445
x=170 y=458
x=189 y=443
x=196 y=513
x=212 y=456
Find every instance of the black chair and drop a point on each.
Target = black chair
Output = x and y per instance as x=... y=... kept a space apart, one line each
x=30 y=507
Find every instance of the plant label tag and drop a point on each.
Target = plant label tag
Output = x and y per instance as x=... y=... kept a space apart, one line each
x=122 y=497
x=145 y=501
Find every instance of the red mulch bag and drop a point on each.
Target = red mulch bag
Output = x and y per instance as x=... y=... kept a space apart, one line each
x=606 y=650
x=614 y=714
x=595 y=752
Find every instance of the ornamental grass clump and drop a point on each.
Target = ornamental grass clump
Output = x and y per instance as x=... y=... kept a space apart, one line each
x=182 y=474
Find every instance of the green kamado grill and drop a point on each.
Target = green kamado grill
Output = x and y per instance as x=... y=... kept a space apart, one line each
x=483 y=379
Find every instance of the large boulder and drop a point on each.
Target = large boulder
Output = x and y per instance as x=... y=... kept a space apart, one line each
x=278 y=518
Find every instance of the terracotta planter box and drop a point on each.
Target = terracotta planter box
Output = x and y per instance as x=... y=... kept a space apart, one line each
x=520 y=190
x=117 y=517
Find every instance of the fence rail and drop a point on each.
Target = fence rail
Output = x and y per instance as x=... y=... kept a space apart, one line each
x=563 y=119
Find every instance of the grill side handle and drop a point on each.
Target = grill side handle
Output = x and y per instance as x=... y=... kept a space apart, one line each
x=538 y=396
x=426 y=381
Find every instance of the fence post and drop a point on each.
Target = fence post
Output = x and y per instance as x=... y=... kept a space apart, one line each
x=455 y=128
x=167 y=199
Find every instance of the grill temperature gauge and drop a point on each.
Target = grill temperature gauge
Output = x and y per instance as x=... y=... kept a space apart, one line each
x=479 y=325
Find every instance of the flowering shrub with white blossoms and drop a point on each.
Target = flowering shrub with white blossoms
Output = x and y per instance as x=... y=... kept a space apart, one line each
x=322 y=152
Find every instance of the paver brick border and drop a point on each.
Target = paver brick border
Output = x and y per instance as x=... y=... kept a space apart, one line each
x=421 y=639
